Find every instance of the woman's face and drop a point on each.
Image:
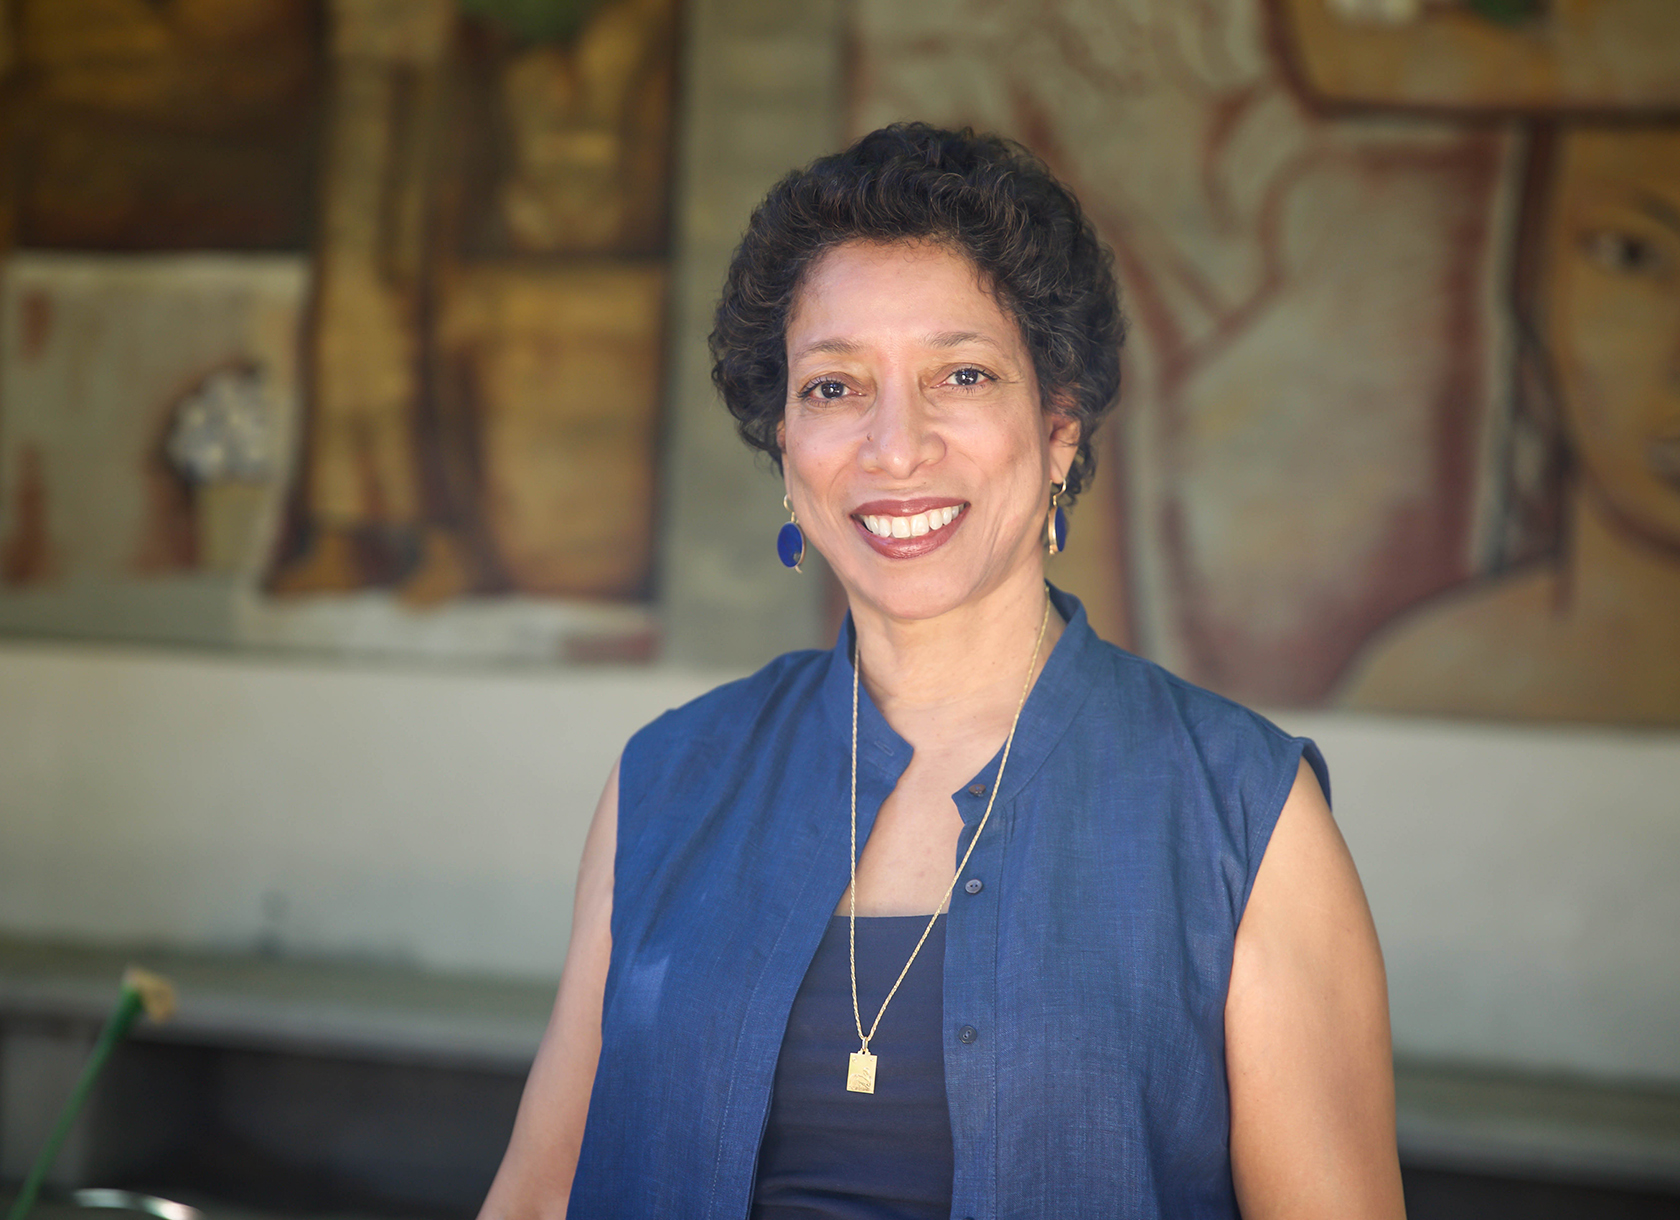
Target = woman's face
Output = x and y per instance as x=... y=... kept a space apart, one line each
x=1612 y=315
x=914 y=446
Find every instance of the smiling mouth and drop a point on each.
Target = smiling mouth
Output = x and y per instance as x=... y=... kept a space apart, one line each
x=912 y=526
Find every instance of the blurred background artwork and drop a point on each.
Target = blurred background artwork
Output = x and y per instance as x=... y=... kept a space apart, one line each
x=341 y=338
x=1402 y=427
x=419 y=249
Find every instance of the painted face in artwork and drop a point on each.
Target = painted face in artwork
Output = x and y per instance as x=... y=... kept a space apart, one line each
x=1612 y=317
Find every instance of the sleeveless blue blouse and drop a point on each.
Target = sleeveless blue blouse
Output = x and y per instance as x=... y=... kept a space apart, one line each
x=1084 y=976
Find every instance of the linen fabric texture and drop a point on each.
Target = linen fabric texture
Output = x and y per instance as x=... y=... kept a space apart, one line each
x=1084 y=983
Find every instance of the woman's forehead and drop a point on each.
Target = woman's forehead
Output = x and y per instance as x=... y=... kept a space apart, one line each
x=924 y=290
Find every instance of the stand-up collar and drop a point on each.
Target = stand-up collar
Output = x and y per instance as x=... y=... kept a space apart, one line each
x=1051 y=706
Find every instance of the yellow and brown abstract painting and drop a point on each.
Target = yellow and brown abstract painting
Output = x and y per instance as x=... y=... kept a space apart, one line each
x=314 y=300
x=485 y=336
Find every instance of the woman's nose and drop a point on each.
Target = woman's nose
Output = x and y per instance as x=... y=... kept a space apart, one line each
x=900 y=434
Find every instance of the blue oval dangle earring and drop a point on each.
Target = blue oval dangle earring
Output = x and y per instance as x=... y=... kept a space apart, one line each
x=1055 y=529
x=790 y=541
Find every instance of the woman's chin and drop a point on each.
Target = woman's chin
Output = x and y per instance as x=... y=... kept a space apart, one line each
x=911 y=593
x=905 y=594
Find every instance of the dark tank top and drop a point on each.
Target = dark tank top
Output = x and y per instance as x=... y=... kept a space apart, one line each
x=829 y=1154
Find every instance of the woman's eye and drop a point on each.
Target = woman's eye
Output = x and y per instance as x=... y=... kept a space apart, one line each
x=968 y=377
x=1622 y=253
x=827 y=389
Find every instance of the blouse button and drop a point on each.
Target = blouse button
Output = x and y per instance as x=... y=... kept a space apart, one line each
x=974 y=885
x=967 y=1033
x=977 y=789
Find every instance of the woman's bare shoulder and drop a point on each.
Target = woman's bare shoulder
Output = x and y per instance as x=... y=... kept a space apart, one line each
x=1306 y=1029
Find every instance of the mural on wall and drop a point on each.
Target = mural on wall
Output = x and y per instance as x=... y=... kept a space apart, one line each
x=157 y=182
x=1381 y=351
x=367 y=297
x=145 y=429
x=1578 y=617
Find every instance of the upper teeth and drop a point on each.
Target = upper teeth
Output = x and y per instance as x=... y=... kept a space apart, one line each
x=912 y=527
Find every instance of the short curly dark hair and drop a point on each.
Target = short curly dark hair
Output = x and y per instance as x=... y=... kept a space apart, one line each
x=981 y=194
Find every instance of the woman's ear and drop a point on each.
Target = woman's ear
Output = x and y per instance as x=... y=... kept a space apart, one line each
x=1065 y=433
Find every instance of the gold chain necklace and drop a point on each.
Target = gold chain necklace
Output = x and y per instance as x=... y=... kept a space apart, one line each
x=860 y=1072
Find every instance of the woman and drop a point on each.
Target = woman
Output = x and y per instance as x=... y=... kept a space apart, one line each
x=781 y=997
x=1592 y=631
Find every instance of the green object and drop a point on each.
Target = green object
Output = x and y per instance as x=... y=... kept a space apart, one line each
x=1508 y=12
x=141 y=992
x=535 y=21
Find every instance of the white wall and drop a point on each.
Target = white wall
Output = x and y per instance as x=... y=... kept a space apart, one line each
x=1522 y=879
x=429 y=816
x=1524 y=886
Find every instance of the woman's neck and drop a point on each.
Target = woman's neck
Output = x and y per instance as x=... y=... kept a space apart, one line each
x=973 y=657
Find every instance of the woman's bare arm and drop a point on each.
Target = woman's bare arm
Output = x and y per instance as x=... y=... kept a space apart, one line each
x=1306 y=1033
x=535 y=1178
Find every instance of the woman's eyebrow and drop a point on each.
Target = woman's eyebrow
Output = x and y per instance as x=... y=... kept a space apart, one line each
x=957 y=338
x=831 y=347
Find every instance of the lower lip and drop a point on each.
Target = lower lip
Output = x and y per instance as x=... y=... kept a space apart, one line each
x=911 y=548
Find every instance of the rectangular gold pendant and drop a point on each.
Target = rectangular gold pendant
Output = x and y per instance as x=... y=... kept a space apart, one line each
x=860 y=1073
